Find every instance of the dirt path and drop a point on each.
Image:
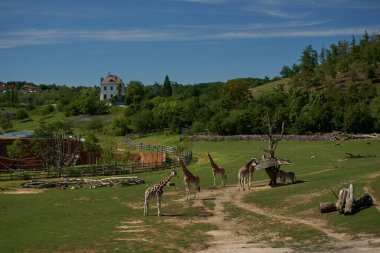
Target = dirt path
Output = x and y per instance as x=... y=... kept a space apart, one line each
x=231 y=238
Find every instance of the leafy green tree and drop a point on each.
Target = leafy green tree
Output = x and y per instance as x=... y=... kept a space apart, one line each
x=109 y=148
x=134 y=93
x=91 y=145
x=170 y=114
x=16 y=151
x=358 y=119
x=286 y=71
x=5 y=123
x=142 y=121
x=22 y=114
x=375 y=112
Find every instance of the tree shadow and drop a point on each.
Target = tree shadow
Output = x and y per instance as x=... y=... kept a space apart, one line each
x=208 y=198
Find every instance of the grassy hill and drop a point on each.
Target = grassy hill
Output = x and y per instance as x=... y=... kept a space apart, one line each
x=270 y=86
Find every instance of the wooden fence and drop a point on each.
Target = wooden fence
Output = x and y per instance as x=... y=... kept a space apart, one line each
x=103 y=170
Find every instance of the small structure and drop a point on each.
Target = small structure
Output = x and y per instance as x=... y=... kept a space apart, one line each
x=111 y=87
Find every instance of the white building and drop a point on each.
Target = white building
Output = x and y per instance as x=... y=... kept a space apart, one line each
x=111 y=86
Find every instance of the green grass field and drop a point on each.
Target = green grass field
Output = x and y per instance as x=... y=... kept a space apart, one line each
x=111 y=219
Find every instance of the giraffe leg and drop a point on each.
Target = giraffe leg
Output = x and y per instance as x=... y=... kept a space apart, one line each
x=187 y=191
x=159 y=197
x=213 y=173
x=146 y=205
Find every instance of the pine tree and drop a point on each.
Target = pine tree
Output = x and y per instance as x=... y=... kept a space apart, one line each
x=167 y=88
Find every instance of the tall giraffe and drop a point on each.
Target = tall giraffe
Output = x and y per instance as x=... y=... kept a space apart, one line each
x=157 y=190
x=217 y=170
x=189 y=179
x=245 y=173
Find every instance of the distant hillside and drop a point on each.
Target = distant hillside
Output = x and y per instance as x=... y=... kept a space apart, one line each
x=270 y=86
x=343 y=64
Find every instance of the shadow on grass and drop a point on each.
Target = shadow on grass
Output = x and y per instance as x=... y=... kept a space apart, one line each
x=288 y=184
x=173 y=215
x=208 y=198
x=220 y=187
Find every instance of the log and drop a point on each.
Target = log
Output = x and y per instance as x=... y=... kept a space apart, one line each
x=327 y=207
x=349 y=155
x=349 y=200
x=92 y=183
x=346 y=203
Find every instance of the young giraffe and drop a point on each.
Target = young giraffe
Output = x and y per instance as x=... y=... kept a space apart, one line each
x=217 y=170
x=157 y=190
x=245 y=173
x=189 y=179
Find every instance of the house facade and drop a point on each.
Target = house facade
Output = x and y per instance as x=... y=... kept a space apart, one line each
x=111 y=86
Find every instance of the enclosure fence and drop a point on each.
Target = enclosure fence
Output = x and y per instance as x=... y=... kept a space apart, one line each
x=104 y=170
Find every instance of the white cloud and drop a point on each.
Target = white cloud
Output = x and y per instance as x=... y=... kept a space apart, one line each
x=57 y=36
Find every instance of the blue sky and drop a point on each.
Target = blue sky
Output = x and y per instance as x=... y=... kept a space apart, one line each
x=76 y=42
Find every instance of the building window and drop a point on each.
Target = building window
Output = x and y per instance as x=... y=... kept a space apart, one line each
x=111 y=87
x=111 y=96
x=104 y=96
x=105 y=88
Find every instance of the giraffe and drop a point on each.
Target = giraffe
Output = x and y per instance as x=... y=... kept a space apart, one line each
x=189 y=179
x=157 y=190
x=245 y=173
x=217 y=170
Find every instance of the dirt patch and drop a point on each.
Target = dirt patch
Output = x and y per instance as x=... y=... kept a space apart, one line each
x=24 y=191
x=235 y=237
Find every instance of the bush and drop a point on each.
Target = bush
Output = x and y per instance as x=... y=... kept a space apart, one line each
x=21 y=114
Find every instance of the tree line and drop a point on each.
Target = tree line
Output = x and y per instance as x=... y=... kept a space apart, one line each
x=335 y=89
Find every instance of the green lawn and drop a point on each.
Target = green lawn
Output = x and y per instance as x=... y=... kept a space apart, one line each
x=99 y=219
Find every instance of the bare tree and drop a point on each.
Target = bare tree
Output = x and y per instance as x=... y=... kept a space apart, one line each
x=272 y=164
x=271 y=140
x=59 y=146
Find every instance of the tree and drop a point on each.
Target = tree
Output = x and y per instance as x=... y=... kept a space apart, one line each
x=286 y=71
x=272 y=164
x=16 y=151
x=22 y=114
x=358 y=119
x=134 y=93
x=5 y=123
x=59 y=146
x=91 y=145
x=108 y=149
x=167 y=88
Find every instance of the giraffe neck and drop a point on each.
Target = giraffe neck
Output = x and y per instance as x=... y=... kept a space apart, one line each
x=164 y=182
x=213 y=164
x=185 y=170
x=248 y=165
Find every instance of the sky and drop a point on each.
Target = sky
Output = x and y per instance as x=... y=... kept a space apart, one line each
x=76 y=42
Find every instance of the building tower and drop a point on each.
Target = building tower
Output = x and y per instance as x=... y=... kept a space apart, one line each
x=112 y=86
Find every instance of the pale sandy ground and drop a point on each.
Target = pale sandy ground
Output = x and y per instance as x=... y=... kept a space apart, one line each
x=229 y=237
